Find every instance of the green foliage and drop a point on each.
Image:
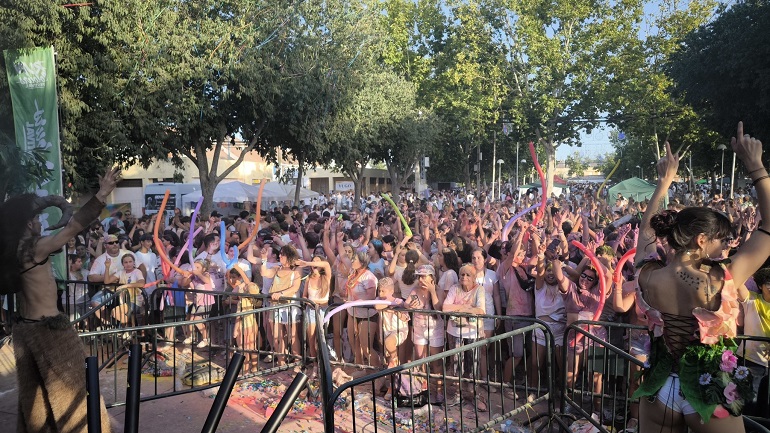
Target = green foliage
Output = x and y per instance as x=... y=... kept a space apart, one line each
x=703 y=379
x=41 y=23
x=576 y=164
x=326 y=52
x=468 y=88
x=640 y=98
x=563 y=56
x=20 y=171
x=720 y=69
x=348 y=83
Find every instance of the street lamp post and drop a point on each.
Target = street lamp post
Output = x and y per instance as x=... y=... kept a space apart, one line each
x=517 y=167
x=722 y=147
x=499 y=177
x=641 y=172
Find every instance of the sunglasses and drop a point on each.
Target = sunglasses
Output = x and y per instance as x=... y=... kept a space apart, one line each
x=112 y=242
x=588 y=277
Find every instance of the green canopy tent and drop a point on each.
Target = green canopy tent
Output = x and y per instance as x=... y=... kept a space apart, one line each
x=635 y=188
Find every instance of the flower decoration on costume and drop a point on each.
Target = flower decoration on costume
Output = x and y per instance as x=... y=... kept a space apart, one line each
x=741 y=373
x=720 y=380
x=729 y=361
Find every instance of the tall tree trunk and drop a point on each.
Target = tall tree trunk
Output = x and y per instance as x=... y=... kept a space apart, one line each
x=357 y=175
x=467 y=174
x=550 y=156
x=300 y=172
x=208 y=180
x=357 y=191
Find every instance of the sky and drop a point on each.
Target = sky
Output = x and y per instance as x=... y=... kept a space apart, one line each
x=598 y=141
x=594 y=144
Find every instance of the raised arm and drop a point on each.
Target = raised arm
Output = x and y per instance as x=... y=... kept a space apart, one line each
x=47 y=245
x=755 y=251
x=667 y=167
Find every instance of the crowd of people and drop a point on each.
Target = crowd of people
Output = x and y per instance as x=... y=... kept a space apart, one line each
x=699 y=267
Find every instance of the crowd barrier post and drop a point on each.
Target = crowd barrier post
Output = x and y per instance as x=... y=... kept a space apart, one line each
x=93 y=409
x=288 y=399
x=133 y=388
x=225 y=389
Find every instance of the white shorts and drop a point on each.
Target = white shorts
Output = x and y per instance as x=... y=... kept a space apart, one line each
x=489 y=324
x=287 y=313
x=311 y=317
x=433 y=336
x=671 y=396
x=639 y=344
x=557 y=329
x=400 y=335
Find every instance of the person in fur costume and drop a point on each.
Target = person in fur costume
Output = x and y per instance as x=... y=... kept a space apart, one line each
x=50 y=357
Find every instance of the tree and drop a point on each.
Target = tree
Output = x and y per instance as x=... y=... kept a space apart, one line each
x=562 y=55
x=322 y=71
x=719 y=69
x=20 y=170
x=467 y=91
x=576 y=165
x=642 y=103
x=41 y=23
x=202 y=74
x=410 y=138
x=367 y=121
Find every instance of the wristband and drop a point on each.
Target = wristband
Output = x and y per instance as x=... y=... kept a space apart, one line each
x=89 y=212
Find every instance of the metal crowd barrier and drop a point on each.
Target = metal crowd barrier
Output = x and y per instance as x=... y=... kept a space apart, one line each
x=596 y=376
x=604 y=376
x=178 y=368
x=438 y=373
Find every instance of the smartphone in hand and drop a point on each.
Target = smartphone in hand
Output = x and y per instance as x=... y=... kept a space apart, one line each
x=554 y=245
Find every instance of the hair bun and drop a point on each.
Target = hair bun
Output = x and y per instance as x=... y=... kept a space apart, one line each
x=663 y=223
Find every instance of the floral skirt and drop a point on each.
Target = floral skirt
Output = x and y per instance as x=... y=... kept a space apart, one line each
x=711 y=380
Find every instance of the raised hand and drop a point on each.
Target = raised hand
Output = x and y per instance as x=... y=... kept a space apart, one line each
x=668 y=165
x=748 y=149
x=108 y=182
x=600 y=238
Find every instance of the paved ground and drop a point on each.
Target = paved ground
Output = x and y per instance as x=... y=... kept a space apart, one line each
x=249 y=406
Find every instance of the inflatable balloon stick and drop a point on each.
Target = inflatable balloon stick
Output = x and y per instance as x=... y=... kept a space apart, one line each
x=193 y=221
x=156 y=239
x=347 y=305
x=407 y=230
x=257 y=217
x=509 y=224
x=619 y=268
x=540 y=212
x=599 y=191
x=602 y=282
x=188 y=246
x=229 y=263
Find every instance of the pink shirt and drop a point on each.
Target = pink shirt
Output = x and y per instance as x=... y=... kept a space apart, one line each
x=520 y=303
x=576 y=300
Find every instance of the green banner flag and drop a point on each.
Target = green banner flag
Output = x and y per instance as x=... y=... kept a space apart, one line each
x=32 y=81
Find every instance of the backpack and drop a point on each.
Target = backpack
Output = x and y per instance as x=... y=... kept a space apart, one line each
x=528 y=283
x=409 y=391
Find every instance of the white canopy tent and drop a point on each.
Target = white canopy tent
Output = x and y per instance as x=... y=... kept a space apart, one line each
x=228 y=192
x=239 y=192
x=278 y=192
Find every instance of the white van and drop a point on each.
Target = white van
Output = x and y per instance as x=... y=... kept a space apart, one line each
x=154 y=193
